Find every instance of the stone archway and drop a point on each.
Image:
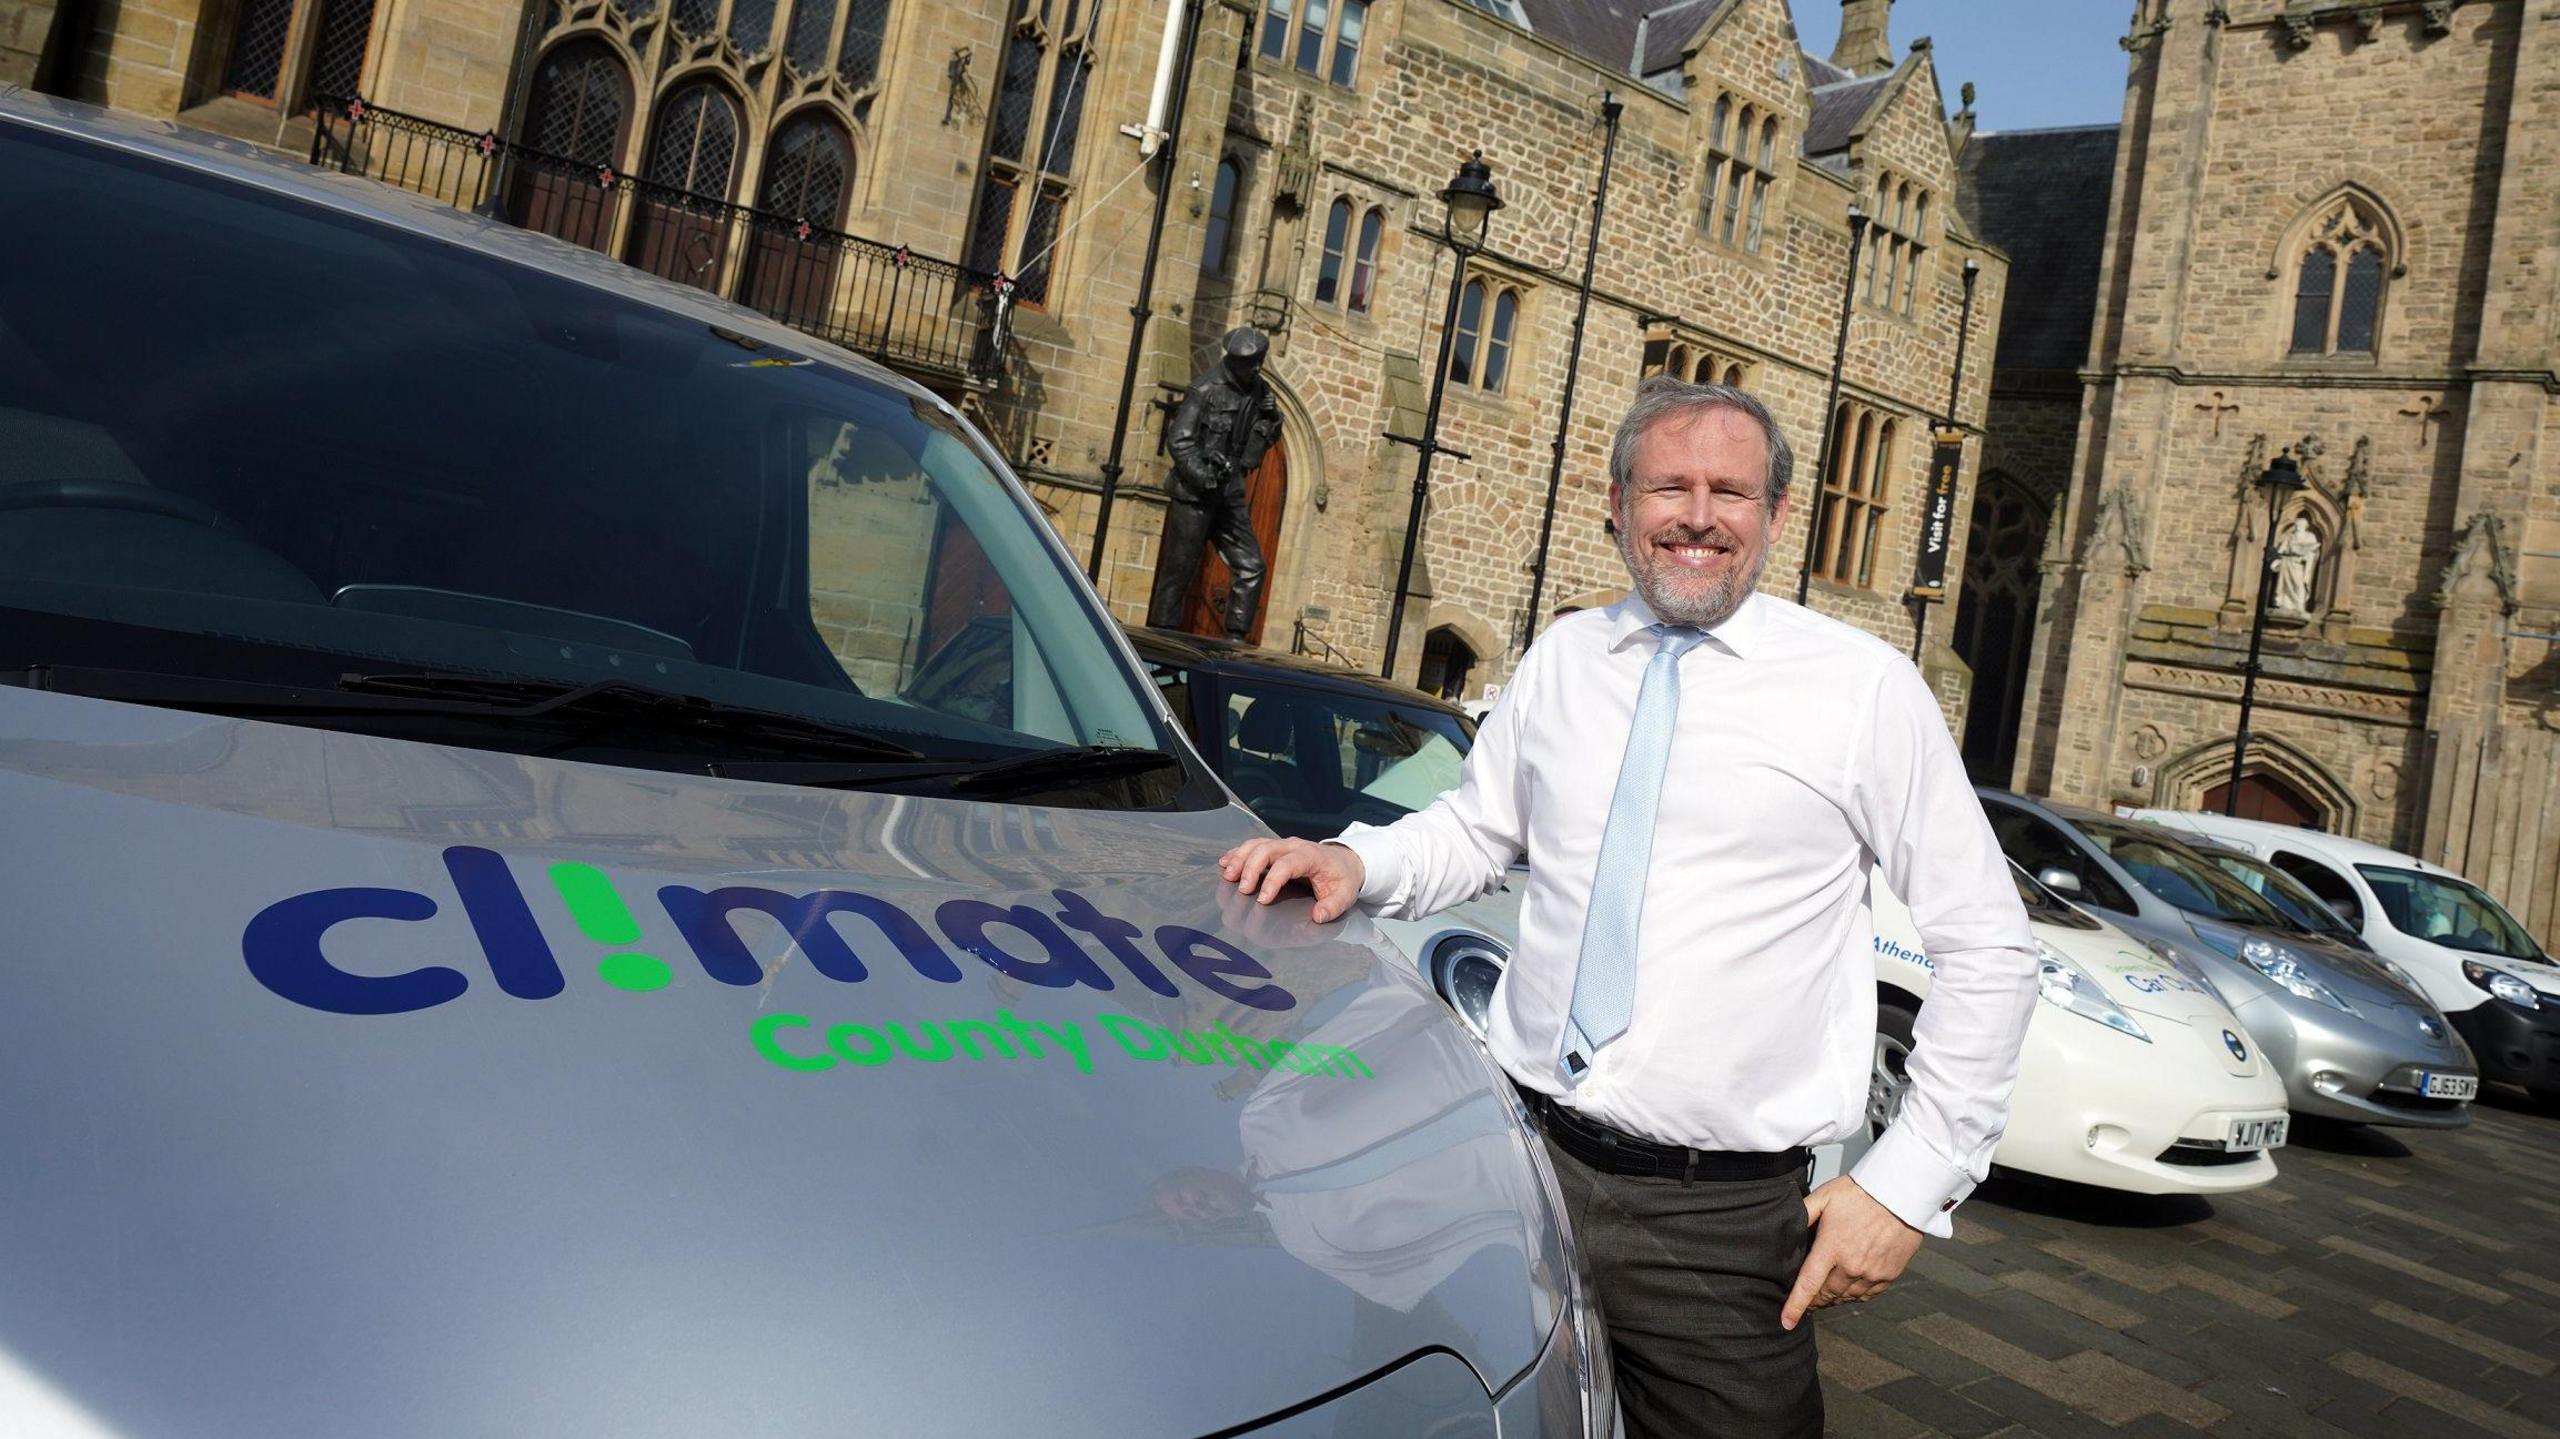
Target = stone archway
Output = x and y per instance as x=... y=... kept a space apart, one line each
x=2283 y=779
x=1996 y=617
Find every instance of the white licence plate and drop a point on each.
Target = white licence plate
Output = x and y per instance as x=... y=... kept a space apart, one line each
x=2250 y=1134
x=2449 y=1086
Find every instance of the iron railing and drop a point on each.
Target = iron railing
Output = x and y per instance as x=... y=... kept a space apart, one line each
x=908 y=310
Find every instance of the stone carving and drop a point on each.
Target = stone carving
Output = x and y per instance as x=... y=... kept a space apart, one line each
x=1293 y=170
x=2119 y=520
x=2480 y=552
x=2297 y=29
x=2386 y=781
x=2285 y=694
x=2439 y=15
x=1220 y=431
x=2149 y=743
x=2297 y=560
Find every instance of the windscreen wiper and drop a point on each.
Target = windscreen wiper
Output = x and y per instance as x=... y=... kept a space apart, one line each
x=998 y=777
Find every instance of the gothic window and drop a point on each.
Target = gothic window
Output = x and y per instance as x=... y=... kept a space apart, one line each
x=1364 y=260
x=1024 y=194
x=258 y=66
x=2338 y=281
x=813 y=23
x=1896 y=242
x=1319 y=37
x=1664 y=355
x=1337 y=235
x=1219 y=235
x=751 y=25
x=866 y=30
x=806 y=171
x=696 y=147
x=1742 y=167
x=1856 y=491
x=581 y=100
x=1488 y=318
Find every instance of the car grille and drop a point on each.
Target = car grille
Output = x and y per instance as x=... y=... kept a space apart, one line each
x=2205 y=1156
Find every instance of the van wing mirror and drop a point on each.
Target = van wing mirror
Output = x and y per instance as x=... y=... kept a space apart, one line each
x=2061 y=881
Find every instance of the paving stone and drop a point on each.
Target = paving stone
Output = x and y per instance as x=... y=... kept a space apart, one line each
x=1944 y=1410
x=2424 y=1273
x=2040 y=1413
x=2438 y=1397
x=2523 y=1360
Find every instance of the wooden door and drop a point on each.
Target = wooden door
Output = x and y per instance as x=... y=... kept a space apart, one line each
x=1266 y=490
x=2265 y=797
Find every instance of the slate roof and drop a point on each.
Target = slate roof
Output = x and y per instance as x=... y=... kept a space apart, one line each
x=2041 y=197
x=1837 y=108
x=1604 y=31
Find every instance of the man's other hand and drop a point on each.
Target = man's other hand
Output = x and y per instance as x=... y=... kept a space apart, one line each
x=1859 y=1249
x=1265 y=868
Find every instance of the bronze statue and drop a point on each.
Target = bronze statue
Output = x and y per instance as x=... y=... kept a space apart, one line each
x=1219 y=433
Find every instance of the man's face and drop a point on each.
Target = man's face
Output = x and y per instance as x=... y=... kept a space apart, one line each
x=1694 y=519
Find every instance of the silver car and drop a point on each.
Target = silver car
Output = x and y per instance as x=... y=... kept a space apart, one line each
x=2353 y=1042
x=580 y=862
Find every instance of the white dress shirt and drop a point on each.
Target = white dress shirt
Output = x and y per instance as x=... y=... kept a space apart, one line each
x=1808 y=757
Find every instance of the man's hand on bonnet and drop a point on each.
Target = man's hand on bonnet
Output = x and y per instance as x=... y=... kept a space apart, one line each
x=1859 y=1249
x=1265 y=868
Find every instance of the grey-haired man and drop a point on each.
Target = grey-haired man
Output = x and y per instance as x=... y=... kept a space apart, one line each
x=1705 y=780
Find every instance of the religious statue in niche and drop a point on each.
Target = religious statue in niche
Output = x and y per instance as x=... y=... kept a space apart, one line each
x=1219 y=432
x=2297 y=561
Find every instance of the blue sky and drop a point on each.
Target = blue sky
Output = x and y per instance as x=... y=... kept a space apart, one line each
x=2034 y=63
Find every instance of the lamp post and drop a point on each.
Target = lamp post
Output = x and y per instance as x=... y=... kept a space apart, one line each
x=1467 y=214
x=1611 y=107
x=1831 y=406
x=2282 y=480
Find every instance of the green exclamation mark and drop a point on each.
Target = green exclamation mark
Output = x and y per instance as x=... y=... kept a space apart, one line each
x=603 y=918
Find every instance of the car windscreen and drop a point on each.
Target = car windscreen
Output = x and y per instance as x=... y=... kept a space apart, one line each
x=1311 y=759
x=246 y=436
x=2286 y=893
x=2181 y=876
x=2447 y=911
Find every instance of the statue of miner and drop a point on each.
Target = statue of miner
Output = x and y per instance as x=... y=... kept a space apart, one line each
x=1220 y=431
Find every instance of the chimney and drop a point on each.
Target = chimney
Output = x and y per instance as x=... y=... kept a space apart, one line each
x=1864 y=46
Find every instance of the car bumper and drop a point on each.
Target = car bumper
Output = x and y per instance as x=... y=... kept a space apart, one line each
x=2346 y=1067
x=2515 y=1046
x=2108 y=1110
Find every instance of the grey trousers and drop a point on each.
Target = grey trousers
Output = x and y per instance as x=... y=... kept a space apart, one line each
x=1692 y=1277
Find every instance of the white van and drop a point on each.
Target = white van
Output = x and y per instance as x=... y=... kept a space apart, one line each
x=2476 y=961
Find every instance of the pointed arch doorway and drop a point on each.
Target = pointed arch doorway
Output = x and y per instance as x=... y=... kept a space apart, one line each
x=1266 y=493
x=1996 y=618
x=2264 y=796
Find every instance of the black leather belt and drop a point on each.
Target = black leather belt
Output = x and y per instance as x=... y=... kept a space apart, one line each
x=1614 y=1151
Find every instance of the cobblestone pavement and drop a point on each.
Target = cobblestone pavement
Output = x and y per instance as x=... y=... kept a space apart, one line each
x=2389 y=1282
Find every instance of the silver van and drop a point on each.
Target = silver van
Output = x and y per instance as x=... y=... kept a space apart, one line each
x=578 y=862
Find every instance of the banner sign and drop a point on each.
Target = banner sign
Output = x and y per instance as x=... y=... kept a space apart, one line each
x=1938 y=514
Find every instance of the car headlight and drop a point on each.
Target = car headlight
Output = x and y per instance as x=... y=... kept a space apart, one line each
x=2187 y=968
x=2498 y=982
x=2286 y=968
x=2407 y=980
x=2065 y=985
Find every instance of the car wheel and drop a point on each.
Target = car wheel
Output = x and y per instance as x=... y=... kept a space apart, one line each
x=1890 y=1078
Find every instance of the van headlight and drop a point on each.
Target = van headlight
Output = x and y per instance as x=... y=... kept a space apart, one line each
x=2503 y=985
x=2065 y=985
x=2286 y=968
x=2187 y=968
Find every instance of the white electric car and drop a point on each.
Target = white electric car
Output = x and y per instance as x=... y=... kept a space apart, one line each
x=2135 y=1074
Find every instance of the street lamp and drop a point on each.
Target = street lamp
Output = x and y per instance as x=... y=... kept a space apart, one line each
x=2282 y=481
x=1831 y=407
x=1467 y=215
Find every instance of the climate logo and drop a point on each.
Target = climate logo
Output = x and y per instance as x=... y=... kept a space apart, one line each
x=844 y=933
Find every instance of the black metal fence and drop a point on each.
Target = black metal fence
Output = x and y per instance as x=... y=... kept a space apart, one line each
x=909 y=310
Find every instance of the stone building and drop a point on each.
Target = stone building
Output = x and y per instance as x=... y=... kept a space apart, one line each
x=2329 y=234
x=869 y=168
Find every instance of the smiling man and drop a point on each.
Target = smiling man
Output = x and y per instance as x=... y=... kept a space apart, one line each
x=1705 y=780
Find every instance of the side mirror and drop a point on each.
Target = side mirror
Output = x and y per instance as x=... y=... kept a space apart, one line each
x=2061 y=881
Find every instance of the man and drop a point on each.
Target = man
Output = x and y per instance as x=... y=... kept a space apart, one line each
x=1704 y=780
x=1219 y=432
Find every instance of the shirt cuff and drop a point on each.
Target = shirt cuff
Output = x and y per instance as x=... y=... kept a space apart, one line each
x=1381 y=862
x=1921 y=1189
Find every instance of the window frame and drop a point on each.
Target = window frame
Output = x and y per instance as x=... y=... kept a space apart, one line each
x=1487 y=341
x=1857 y=495
x=1284 y=39
x=1897 y=244
x=1038 y=181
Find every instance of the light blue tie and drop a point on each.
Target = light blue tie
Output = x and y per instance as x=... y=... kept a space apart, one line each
x=1604 y=979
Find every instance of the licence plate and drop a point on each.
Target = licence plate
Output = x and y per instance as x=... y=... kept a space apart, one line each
x=2245 y=1135
x=2449 y=1086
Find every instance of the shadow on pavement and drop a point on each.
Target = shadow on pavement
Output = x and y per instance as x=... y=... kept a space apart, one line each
x=2084 y=1204
x=2360 y=1141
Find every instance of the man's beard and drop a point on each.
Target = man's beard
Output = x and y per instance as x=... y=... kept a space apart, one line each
x=1705 y=602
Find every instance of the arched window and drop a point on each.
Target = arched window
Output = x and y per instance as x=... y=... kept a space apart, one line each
x=1219 y=236
x=581 y=101
x=1733 y=375
x=1762 y=177
x=1024 y=192
x=1855 y=491
x=813 y=24
x=1679 y=367
x=866 y=30
x=1447 y=659
x=807 y=170
x=1897 y=238
x=1364 y=261
x=1337 y=235
x=1462 y=352
x=2332 y=316
x=1497 y=346
x=751 y=25
x=696 y=147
